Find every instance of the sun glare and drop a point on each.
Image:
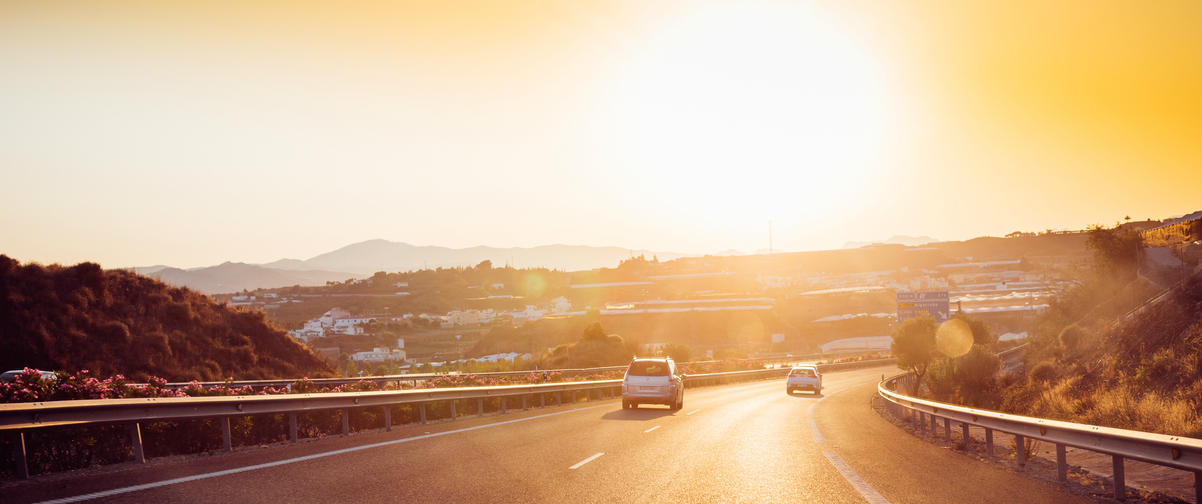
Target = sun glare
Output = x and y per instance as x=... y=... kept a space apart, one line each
x=767 y=109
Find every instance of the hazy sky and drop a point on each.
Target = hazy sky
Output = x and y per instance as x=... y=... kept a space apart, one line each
x=190 y=133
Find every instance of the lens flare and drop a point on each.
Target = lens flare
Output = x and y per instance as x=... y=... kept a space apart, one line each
x=533 y=285
x=954 y=338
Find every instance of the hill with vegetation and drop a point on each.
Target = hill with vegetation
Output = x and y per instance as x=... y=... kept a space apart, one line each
x=1137 y=370
x=1116 y=350
x=118 y=322
x=234 y=277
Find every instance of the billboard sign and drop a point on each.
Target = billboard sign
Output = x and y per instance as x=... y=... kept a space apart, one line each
x=932 y=304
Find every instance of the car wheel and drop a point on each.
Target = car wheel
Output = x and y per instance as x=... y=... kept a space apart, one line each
x=789 y=391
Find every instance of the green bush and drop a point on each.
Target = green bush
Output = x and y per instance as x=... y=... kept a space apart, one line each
x=1044 y=372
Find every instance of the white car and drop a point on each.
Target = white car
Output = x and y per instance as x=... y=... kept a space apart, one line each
x=804 y=377
x=652 y=381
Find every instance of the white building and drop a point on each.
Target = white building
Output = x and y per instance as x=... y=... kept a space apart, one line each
x=560 y=305
x=530 y=314
x=379 y=354
x=327 y=319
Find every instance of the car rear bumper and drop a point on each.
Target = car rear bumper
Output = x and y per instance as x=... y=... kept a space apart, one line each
x=649 y=398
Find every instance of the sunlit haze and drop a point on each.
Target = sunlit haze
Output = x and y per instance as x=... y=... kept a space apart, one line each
x=191 y=133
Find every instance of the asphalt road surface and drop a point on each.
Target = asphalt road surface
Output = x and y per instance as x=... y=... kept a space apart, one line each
x=747 y=442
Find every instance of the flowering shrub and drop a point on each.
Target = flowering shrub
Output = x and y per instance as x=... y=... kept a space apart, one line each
x=29 y=386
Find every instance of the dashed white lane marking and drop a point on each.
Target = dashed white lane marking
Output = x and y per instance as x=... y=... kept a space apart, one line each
x=651 y=429
x=185 y=479
x=856 y=481
x=587 y=460
x=691 y=412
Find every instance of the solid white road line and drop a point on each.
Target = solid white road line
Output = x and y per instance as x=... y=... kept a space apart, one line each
x=870 y=494
x=651 y=429
x=587 y=460
x=814 y=430
x=691 y=412
x=185 y=479
x=856 y=481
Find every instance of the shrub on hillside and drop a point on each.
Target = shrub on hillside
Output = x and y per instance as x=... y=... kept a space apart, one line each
x=1070 y=337
x=119 y=322
x=1044 y=372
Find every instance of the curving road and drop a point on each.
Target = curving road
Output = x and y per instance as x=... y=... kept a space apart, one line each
x=747 y=442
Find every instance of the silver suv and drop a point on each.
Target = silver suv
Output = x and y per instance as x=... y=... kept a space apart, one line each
x=804 y=377
x=652 y=381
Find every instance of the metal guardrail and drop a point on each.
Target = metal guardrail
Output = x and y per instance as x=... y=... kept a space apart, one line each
x=421 y=377
x=1171 y=451
x=411 y=378
x=17 y=418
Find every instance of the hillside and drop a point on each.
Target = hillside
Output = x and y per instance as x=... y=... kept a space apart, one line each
x=1140 y=370
x=382 y=255
x=116 y=321
x=236 y=277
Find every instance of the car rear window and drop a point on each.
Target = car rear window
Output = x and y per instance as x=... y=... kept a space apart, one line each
x=648 y=368
x=802 y=372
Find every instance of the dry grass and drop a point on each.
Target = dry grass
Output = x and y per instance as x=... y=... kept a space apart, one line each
x=1143 y=373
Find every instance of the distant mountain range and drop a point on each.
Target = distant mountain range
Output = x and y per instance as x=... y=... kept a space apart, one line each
x=365 y=258
x=371 y=256
x=233 y=277
x=909 y=241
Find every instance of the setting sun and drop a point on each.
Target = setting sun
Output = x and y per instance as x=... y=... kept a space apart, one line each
x=748 y=111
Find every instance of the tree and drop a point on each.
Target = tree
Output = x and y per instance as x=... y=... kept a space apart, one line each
x=678 y=352
x=914 y=347
x=1115 y=251
x=593 y=332
x=980 y=332
x=974 y=374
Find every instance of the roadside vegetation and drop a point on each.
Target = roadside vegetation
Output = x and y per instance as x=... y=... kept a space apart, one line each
x=109 y=322
x=1103 y=353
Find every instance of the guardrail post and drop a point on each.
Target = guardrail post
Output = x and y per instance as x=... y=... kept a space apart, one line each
x=559 y=398
x=388 y=419
x=20 y=456
x=454 y=411
x=964 y=433
x=1120 y=478
x=574 y=396
x=422 y=409
x=479 y=407
x=1020 y=449
x=227 y=442
x=1197 y=486
x=922 y=420
x=934 y=424
x=542 y=400
x=346 y=421
x=989 y=441
x=1061 y=463
x=525 y=406
x=503 y=405
x=135 y=439
x=947 y=429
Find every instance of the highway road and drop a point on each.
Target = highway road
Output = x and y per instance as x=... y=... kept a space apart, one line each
x=747 y=442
